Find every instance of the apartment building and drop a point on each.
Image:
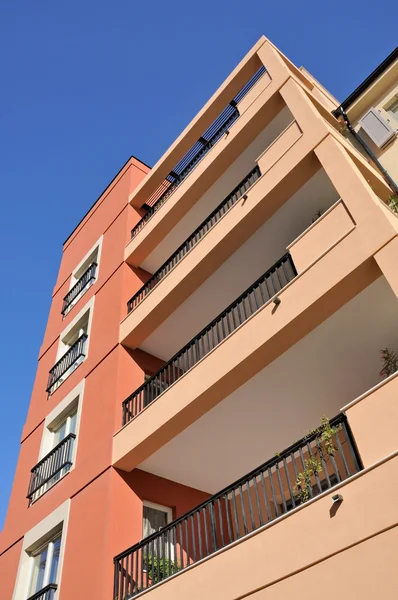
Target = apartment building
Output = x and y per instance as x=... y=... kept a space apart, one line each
x=212 y=417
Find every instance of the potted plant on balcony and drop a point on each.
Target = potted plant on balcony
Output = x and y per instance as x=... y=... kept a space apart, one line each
x=159 y=568
x=313 y=466
x=393 y=202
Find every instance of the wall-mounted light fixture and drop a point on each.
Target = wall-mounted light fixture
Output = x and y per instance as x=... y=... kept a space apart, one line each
x=337 y=498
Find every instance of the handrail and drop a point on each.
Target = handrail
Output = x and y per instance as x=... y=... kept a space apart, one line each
x=257 y=498
x=269 y=284
x=58 y=458
x=195 y=237
x=66 y=361
x=186 y=165
x=83 y=281
x=46 y=593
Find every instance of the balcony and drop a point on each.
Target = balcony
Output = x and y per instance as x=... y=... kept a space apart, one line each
x=256 y=296
x=51 y=468
x=242 y=237
x=315 y=464
x=192 y=158
x=80 y=287
x=67 y=363
x=47 y=593
x=195 y=237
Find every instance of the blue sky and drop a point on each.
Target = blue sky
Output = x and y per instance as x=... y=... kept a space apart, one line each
x=74 y=77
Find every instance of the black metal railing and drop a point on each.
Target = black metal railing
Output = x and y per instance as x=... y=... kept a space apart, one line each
x=80 y=285
x=66 y=362
x=232 y=317
x=47 y=593
x=48 y=468
x=225 y=119
x=256 y=499
x=195 y=237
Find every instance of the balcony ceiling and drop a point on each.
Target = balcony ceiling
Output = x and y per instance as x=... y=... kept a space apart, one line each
x=236 y=274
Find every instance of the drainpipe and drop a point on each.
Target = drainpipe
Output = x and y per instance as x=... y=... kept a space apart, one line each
x=340 y=112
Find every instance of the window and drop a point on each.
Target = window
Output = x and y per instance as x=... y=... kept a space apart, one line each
x=60 y=457
x=83 y=277
x=44 y=569
x=72 y=348
x=40 y=565
x=393 y=109
x=155 y=517
x=59 y=443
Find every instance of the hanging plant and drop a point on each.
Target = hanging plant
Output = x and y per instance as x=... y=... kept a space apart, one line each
x=390 y=362
x=324 y=449
x=393 y=203
x=316 y=216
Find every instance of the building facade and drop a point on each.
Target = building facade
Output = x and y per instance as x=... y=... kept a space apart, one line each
x=214 y=412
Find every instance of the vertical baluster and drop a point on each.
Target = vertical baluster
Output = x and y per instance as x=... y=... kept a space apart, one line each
x=205 y=529
x=341 y=451
x=260 y=516
x=270 y=476
x=234 y=506
x=193 y=538
x=188 y=558
x=287 y=476
x=318 y=482
x=242 y=502
x=213 y=528
x=199 y=534
x=303 y=463
x=251 y=512
x=267 y=507
x=221 y=521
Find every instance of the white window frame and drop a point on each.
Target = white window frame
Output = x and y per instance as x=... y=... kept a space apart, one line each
x=63 y=347
x=93 y=255
x=166 y=509
x=49 y=544
x=392 y=104
x=169 y=512
x=42 y=533
x=67 y=406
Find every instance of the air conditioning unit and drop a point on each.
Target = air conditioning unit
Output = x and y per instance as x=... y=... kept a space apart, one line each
x=377 y=128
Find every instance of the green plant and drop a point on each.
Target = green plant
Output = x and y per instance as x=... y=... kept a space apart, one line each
x=393 y=202
x=390 y=362
x=158 y=568
x=316 y=216
x=324 y=449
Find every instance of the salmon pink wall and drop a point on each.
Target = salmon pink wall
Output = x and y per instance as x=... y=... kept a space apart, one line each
x=109 y=372
x=8 y=566
x=114 y=499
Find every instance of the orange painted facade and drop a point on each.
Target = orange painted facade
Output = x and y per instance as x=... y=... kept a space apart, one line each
x=201 y=411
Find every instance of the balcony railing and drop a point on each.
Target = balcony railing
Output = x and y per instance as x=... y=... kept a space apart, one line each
x=66 y=362
x=49 y=468
x=230 y=319
x=47 y=593
x=186 y=165
x=268 y=492
x=195 y=237
x=84 y=281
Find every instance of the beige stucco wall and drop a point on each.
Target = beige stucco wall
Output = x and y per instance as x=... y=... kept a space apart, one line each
x=373 y=418
x=379 y=96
